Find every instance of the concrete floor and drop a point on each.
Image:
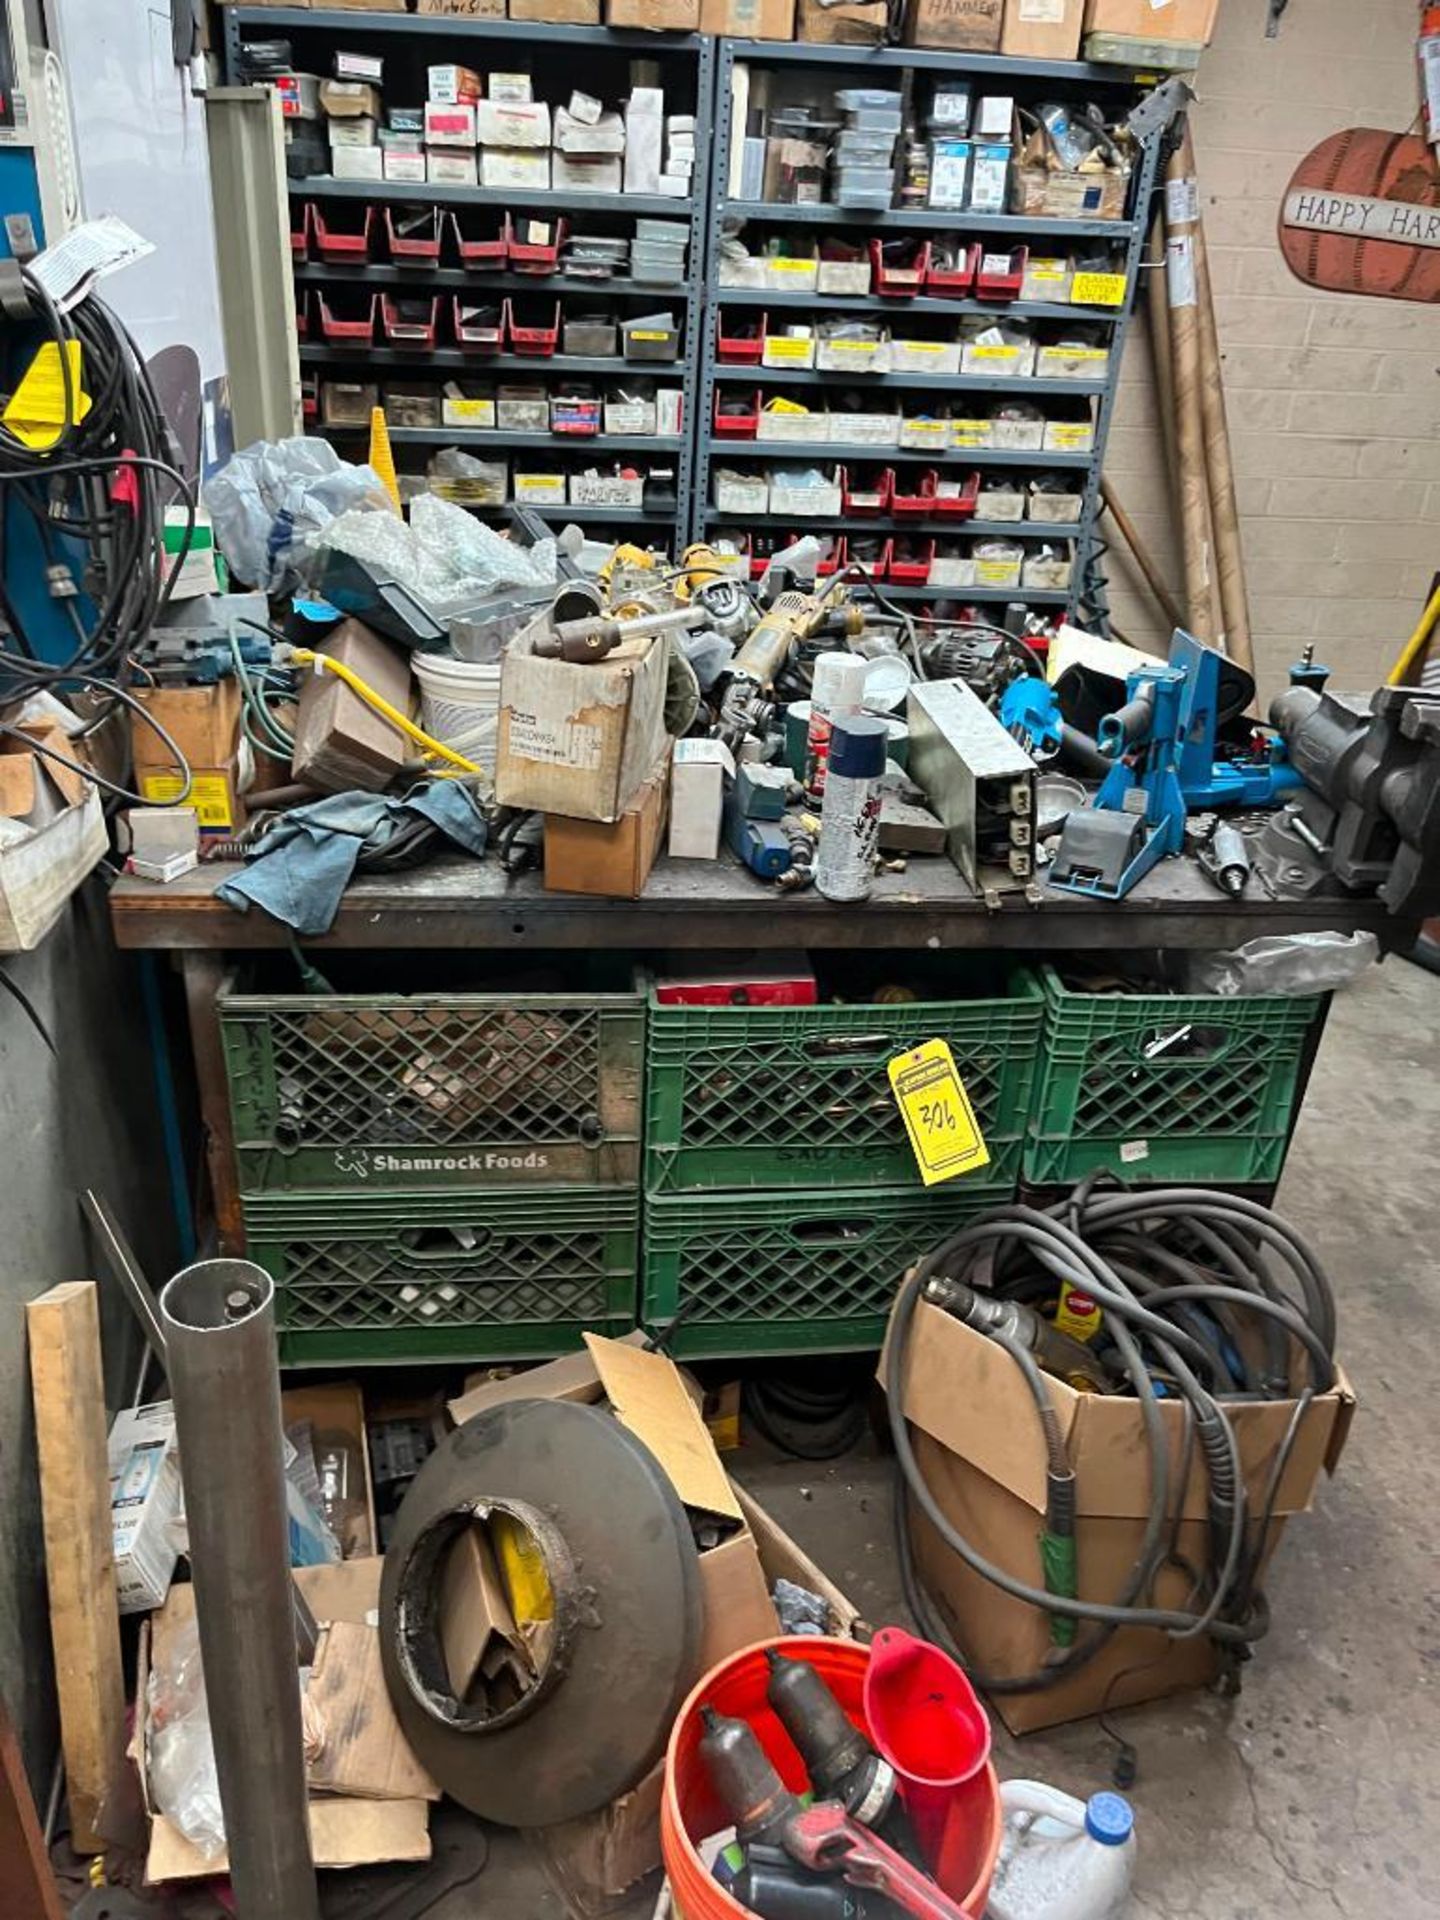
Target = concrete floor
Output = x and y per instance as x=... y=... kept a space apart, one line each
x=1318 y=1790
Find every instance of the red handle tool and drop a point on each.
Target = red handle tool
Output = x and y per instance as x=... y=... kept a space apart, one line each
x=825 y=1839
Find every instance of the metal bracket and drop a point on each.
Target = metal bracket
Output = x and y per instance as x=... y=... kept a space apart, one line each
x=1155 y=112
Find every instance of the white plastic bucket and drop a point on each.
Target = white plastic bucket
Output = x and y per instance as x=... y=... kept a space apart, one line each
x=460 y=704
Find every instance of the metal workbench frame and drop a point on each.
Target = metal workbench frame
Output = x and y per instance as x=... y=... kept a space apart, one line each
x=858 y=63
x=443 y=35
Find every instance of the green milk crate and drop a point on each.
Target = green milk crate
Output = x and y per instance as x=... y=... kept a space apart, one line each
x=358 y=1091
x=768 y=1097
x=792 y=1273
x=1159 y=1087
x=446 y=1276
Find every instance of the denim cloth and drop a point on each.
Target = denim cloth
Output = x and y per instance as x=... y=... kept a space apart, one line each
x=301 y=868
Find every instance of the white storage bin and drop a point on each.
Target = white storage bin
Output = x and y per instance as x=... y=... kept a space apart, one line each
x=1017 y=436
x=741 y=492
x=1069 y=436
x=630 y=416
x=805 y=427
x=1072 y=363
x=1056 y=509
x=854 y=356
x=1050 y=571
x=791 y=275
x=843 y=276
x=748 y=273
x=998 y=363
x=932 y=436
x=540 y=489
x=952 y=570
x=976 y=431
x=606 y=490
x=1000 y=569
x=940 y=357
x=805 y=503
x=780 y=350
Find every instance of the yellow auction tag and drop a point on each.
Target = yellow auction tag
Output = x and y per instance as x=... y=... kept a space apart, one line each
x=937 y=1112
x=1099 y=290
x=209 y=795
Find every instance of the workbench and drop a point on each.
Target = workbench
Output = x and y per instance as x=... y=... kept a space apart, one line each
x=456 y=902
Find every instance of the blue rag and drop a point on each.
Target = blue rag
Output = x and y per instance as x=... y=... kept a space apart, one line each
x=299 y=871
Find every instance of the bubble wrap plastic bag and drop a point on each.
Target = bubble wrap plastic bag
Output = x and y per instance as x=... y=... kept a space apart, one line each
x=184 y=1785
x=449 y=561
x=272 y=502
x=1286 y=963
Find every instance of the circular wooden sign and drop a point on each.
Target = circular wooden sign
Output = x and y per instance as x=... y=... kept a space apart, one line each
x=1362 y=215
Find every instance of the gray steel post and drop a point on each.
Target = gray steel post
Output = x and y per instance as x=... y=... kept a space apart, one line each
x=219 y=1321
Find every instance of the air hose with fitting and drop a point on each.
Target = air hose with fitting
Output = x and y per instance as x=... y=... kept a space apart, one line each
x=1204 y=1296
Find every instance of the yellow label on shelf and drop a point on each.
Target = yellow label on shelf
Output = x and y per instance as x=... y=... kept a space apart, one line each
x=938 y=1116
x=924 y=346
x=1069 y=436
x=854 y=346
x=1048 y=269
x=978 y=351
x=969 y=433
x=209 y=795
x=482 y=412
x=37 y=414
x=997 y=573
x=779 y=348
x=650 y=333
x=540 y=483
x=1099 y=290
x=781 y=405
x=792 y=266
x=1064 y=356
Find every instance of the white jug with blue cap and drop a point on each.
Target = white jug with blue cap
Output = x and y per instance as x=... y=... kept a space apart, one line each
x=1062 y=1858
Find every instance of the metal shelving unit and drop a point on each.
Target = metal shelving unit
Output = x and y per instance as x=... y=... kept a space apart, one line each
x=839 y=66
x=571 y=56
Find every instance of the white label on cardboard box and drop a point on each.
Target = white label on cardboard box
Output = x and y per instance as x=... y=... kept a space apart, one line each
x=570 y=744
x=1043 y=13
x=1182 y=201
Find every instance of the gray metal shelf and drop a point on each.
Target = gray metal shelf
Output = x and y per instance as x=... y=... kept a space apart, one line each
x=570 y=57
x=956 y=525
x=650 y=516
x=903 y=303
x=723 y=449
x=825 y=215
x=324 y=186
x=739 y=375
x=838 y=65
x=322 y=353
x=1032 y=596
x=456 y=27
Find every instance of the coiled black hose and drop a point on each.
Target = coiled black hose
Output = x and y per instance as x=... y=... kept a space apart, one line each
x=1186 y=1278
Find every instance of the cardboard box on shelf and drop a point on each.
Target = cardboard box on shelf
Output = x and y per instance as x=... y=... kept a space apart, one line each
x=853 y=23
x=1187 y=21
x=977 y=1443
x=558 y=13
x=973 y=25
x=204 y=723
x=464 y=9
x=749 y=19
x=613 y=860
x=655 y=16
x=341 y=742
x=579 y=740
x=697 y=798
x=1043 y=29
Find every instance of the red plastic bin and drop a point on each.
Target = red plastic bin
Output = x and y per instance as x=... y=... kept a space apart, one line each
x=343 y=238
x=532 y=256
x=734 y=349
x=928 y=499
x=310 y=398
x=481 y=239
x=912 y=570
x=420 y=247
x=302 y=217
x=906 y=269
x=302 y=313
x=832 y=561
x=1001 y=276
x=738 y=426
x=690 y=1811
x=535 y=342
x=957 y=280
x=474 y=335
x=859 y=497
x=877 y=568
x=402 y=331
x=351 y=324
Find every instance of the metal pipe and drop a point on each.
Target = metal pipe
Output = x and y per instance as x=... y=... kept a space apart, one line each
x=126 y=1269
x=1202 y=593
x=219 y=1322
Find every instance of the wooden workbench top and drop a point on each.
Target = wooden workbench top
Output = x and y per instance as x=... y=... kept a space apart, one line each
x=460 y=902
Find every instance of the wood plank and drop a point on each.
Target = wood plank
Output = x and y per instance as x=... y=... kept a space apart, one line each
x=27 y=1886
x=69 y=1388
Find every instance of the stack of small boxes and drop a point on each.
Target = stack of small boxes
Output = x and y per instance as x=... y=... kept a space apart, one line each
x=970 y=159
x=351 y=104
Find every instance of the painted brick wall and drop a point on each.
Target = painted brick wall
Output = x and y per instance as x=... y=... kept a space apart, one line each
x=1334 y=400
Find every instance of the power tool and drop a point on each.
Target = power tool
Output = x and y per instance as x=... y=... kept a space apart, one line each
x=794 y=618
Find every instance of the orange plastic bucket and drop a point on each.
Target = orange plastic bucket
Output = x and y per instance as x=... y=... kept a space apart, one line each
x=690 y=1812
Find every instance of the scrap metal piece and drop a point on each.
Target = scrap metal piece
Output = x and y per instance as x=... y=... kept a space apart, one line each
x=126 y=1269
x=219 y=1326
x=625 y=1579
x=1159 y=108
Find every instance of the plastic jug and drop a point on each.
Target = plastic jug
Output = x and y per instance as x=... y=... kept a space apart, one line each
x=1061 y=1858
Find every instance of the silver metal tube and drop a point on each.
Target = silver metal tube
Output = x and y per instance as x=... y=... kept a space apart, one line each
x=219 y=1325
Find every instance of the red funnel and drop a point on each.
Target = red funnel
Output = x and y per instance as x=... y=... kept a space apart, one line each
x=926 y=1721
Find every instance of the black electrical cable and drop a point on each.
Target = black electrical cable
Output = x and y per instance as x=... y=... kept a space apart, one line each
x=1160 y=1264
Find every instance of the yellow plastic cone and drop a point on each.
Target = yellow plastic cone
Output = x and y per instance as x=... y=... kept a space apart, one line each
x=381 y=457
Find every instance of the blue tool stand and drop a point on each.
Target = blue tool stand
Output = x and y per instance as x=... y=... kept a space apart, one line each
x=1163 y=742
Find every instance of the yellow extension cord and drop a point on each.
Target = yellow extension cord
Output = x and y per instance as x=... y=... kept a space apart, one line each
x=324 y=663
x=1415 y=645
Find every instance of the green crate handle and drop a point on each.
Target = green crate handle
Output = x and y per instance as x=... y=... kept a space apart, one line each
x=1153 y=1046
x=453 y=1249
x=881 y=1045
x=803 y=1232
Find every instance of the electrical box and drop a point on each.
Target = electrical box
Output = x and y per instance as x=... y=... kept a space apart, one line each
x=979 y=782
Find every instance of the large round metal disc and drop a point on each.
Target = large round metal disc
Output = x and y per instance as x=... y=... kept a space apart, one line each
x=626 y=1580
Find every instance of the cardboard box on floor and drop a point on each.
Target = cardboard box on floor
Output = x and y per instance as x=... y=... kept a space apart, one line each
x=978 y=1443
x=595 y=1862
x=364 y=1742
x=587 y=856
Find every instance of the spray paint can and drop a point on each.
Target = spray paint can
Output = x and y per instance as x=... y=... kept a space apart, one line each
x=837 y=690
x=850 y=817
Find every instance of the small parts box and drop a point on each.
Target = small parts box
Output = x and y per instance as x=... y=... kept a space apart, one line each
x=341 y=234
